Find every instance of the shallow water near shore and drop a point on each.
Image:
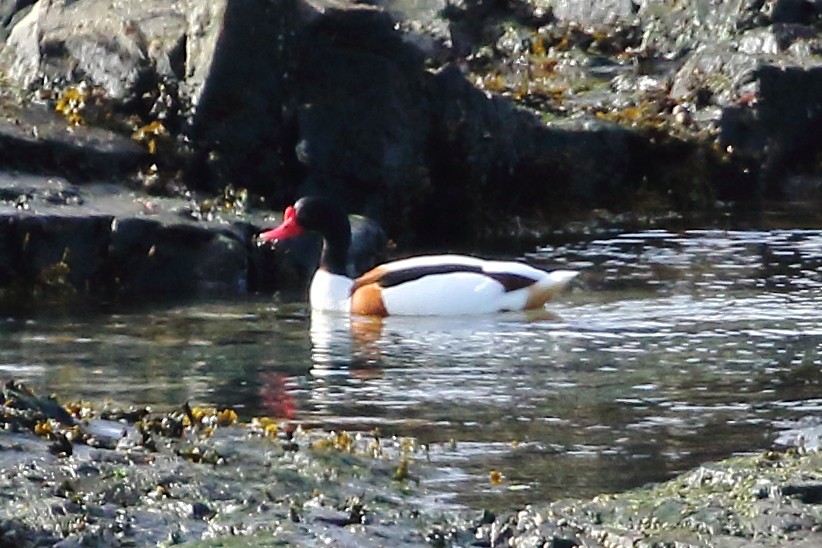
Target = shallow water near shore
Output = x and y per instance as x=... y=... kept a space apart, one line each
x=670 y=350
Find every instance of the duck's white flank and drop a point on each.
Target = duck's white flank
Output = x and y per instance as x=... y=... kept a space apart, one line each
x=448 y=294
x=454 y=294
x=464 y=293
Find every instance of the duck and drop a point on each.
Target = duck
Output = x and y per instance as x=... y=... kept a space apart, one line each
x=425 y=285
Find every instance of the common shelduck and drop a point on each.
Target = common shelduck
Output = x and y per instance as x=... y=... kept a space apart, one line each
x=428 y=285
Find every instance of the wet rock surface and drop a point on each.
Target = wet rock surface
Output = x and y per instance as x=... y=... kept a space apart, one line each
x=102 y=478
x=77 y=474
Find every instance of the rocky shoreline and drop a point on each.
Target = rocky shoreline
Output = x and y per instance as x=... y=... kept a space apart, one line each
x=451 y=124
x=76 y=475
x=84 y=473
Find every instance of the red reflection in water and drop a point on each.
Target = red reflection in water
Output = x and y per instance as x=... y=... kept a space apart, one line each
x=275 y=398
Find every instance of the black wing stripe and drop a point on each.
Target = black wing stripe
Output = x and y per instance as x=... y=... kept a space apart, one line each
x=397 y=277
x=509 y=281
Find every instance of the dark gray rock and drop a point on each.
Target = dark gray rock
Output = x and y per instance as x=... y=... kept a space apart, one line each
x=62 y=241
x=148 y=258
x=335 y=106
x=365 y=142
x=8 y=272
x=803 y=12
x=494 y=163
x=35 y=139
x=809 y=492
x=238 y=84
x=54 y=255
x=779 y=131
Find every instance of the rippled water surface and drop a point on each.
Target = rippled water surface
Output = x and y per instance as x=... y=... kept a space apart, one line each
x=671 y=349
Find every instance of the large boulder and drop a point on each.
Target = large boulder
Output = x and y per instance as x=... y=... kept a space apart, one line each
x=495 y=163
x=334 y=104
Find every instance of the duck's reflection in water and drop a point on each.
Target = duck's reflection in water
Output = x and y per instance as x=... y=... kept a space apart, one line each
x=371 y=371
x=362 y=346
x=345 y=345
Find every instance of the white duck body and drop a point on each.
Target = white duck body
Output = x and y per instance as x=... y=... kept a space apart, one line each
x=330 y=292
x=438 y=285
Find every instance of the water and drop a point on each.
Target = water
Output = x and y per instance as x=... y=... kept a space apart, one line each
x=673 y=349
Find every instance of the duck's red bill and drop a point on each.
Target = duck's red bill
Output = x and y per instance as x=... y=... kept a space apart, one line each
x=287 y=229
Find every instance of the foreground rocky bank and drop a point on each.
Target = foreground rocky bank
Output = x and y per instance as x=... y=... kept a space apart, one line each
x=76 y=475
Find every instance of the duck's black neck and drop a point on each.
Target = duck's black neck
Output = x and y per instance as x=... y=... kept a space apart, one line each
x=334 y=257
x=323 y=215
